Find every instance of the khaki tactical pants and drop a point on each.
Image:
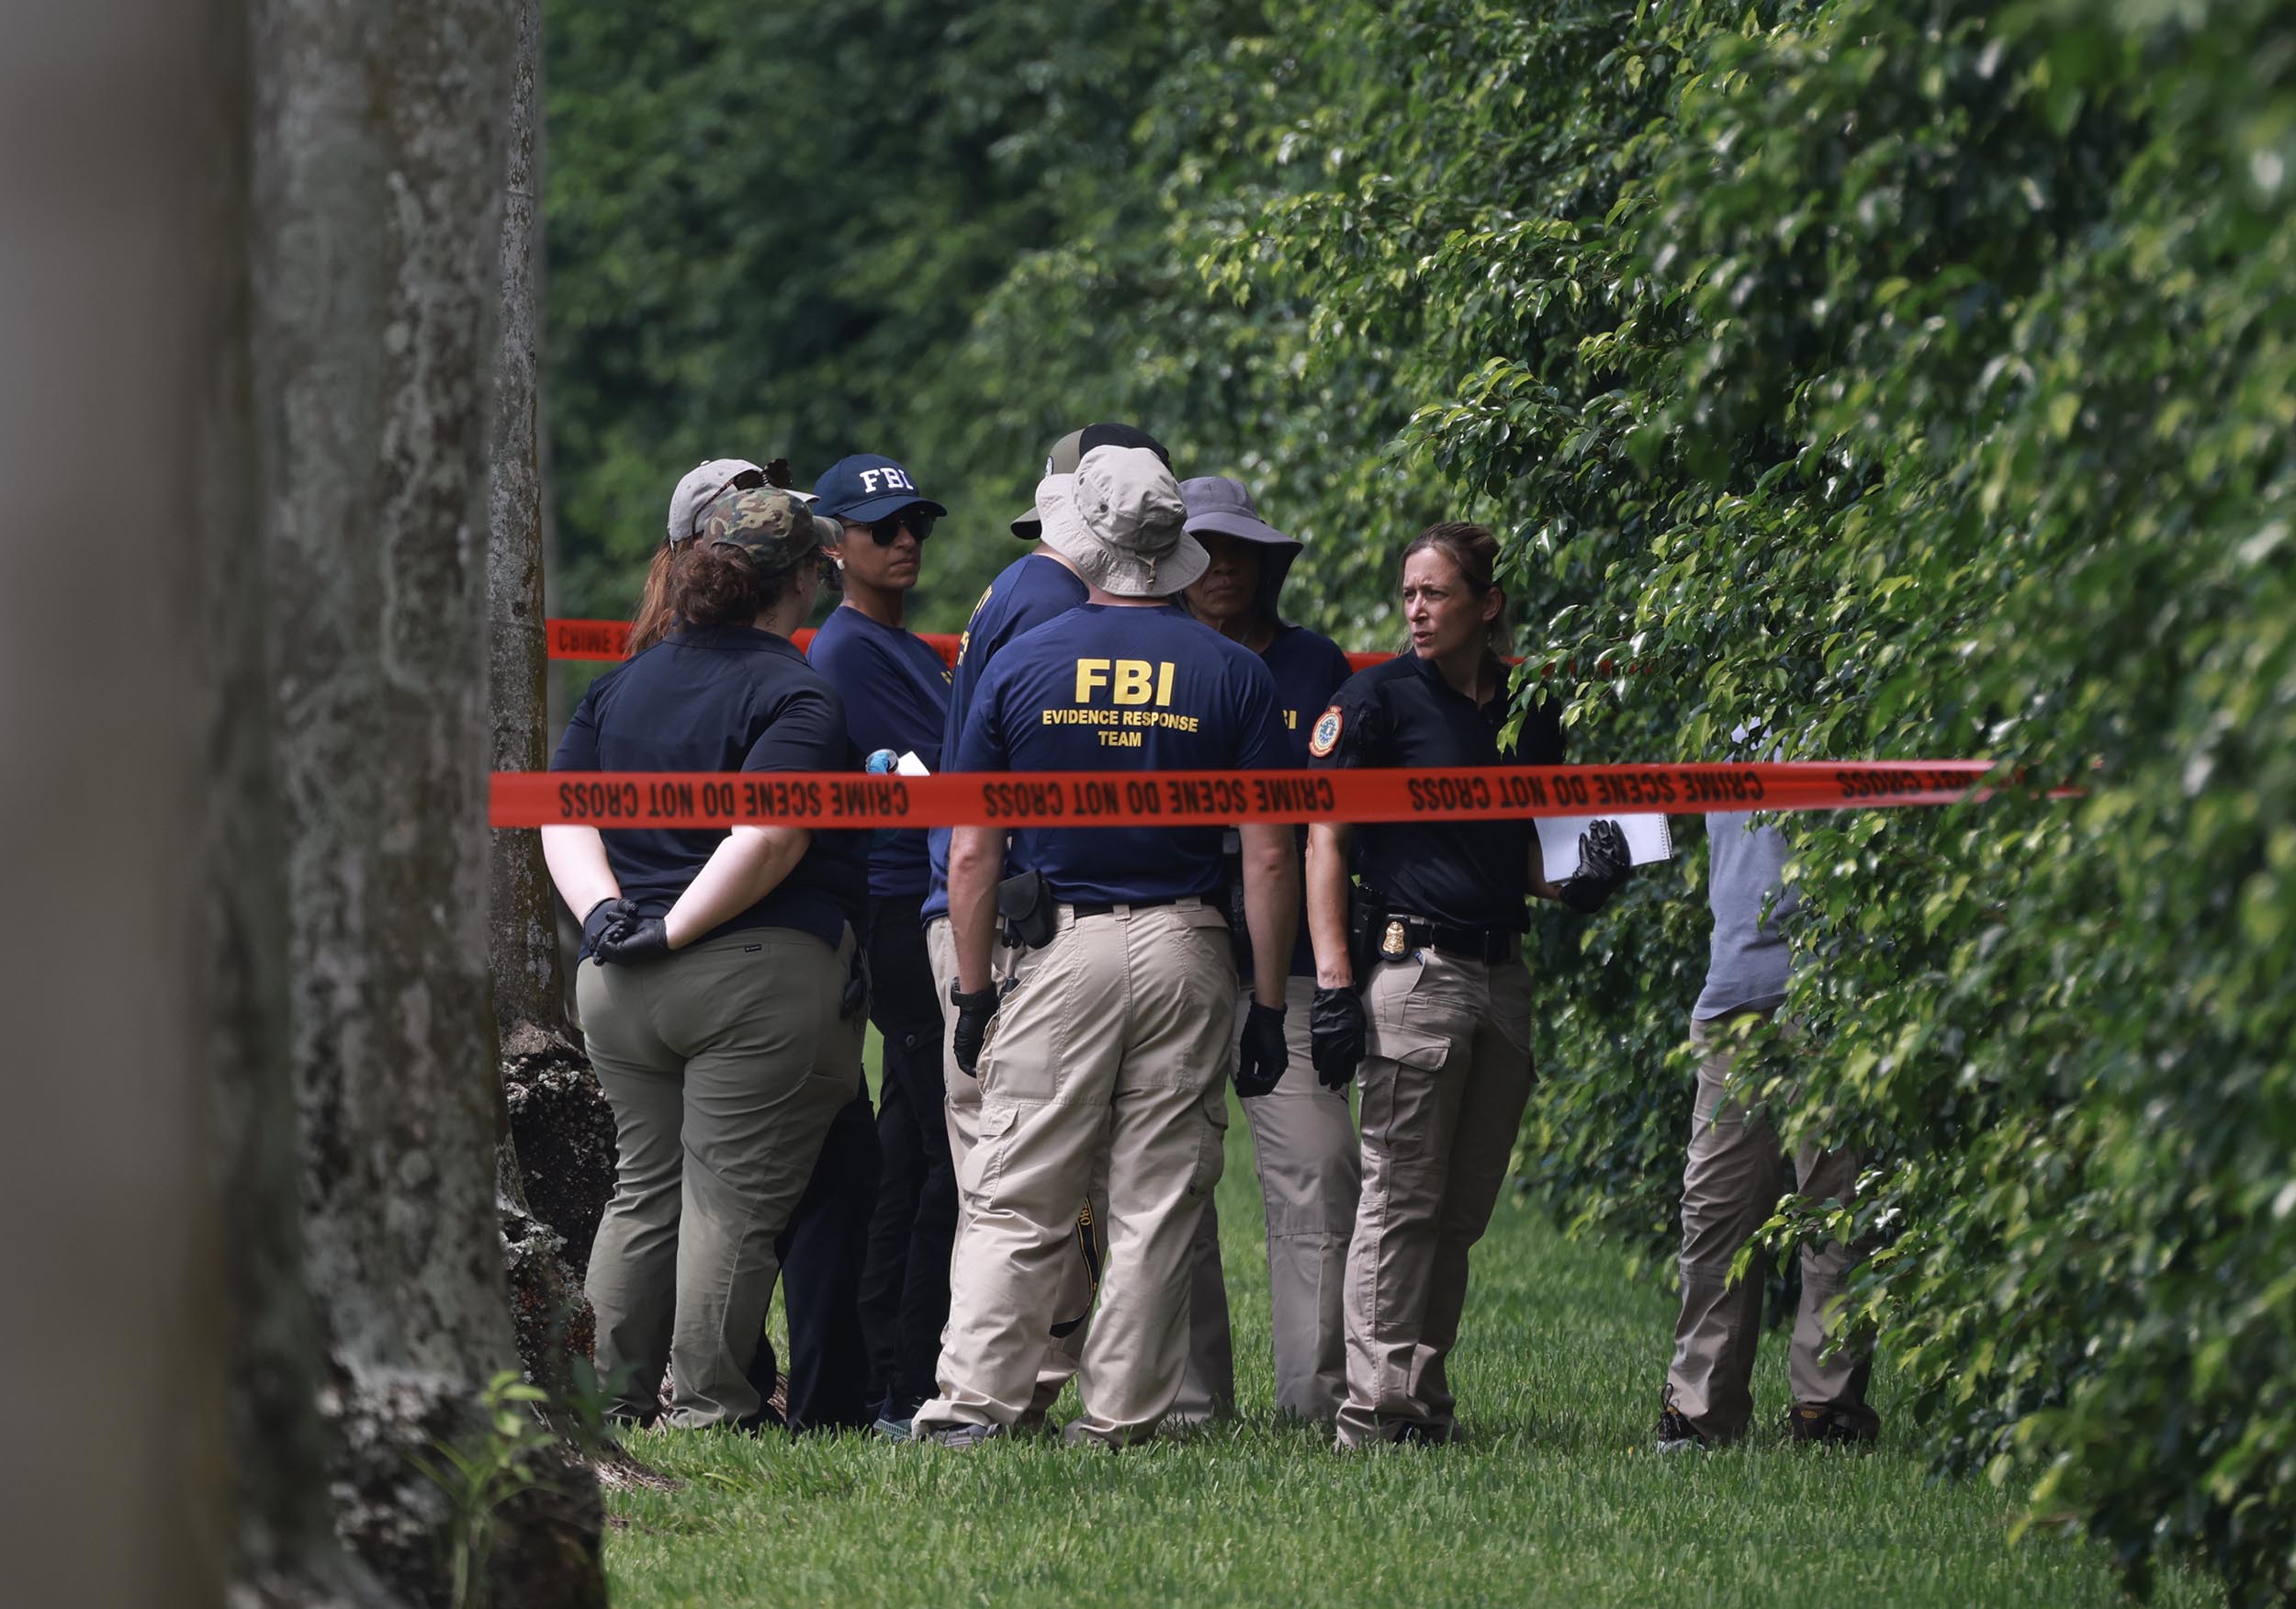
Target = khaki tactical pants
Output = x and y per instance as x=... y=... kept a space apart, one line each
x=1110 y=1056
x=725 y=1063
x=1731 y=1183
x=1072 y=1279
x=1447 y=1072
x=1310 y=1172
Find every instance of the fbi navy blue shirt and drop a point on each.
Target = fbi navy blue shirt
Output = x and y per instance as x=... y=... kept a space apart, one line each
x=895 y=691
x=728 y=699
x=1461 y=874
x=1025 y=593
x=1308 y=669
x=1115 y=689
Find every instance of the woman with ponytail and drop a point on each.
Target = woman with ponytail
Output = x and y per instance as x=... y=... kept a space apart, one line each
x=720 y=995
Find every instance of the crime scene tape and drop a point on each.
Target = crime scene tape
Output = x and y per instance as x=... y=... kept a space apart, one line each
x=610 y=640
x=832 y=800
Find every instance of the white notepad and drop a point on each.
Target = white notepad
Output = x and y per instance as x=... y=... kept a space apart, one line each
x=1647 y=840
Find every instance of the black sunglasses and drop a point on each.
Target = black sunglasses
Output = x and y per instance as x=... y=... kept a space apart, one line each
x=884 y=533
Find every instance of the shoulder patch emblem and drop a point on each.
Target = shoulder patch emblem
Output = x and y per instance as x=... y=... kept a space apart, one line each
x=1325 y=737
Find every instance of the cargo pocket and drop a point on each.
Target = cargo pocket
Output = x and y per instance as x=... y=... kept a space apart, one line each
x=1414 y=1048
x=1400 y=1070
x=983 y=1168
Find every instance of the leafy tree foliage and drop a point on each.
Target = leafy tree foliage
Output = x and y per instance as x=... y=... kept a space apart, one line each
x=931 y=229
x=1918 y=380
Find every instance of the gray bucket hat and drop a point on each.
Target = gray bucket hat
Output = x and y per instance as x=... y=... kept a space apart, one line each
x=1118 y=520
x=1219 y=505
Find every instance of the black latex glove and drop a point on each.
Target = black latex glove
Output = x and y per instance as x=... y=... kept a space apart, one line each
x=1335 y=1033
x=1263 y=1056
x=854 y=1001
x=641 y=940
x=1603 y=864
x=604 y=918
x=975 y=1012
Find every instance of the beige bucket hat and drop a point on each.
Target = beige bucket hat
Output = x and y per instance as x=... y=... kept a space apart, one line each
x=1119 y=519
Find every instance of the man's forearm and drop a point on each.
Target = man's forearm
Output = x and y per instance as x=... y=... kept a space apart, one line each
x=1271 y=907
x=976 y=865
x=1328 y=843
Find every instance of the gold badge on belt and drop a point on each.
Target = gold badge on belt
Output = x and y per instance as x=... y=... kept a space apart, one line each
x=1392 y=942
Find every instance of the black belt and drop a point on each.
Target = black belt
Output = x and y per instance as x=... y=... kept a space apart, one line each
x=1096 y=909
x=1488 y=945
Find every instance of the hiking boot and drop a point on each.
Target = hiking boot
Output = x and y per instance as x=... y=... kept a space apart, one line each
x=896 y=1430
x=963 y=1437
x=1676 y=1434
x=1813 y=1424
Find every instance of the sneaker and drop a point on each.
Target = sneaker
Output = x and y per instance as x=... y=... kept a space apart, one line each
x=960 y=1437
x=892 y=1429
x=1676 y=1434
x=1813 y=1424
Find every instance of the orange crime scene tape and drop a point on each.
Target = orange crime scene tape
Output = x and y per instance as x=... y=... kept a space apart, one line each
x=832 y=800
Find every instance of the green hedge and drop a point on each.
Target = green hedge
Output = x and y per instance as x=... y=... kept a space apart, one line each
x=1918 y=377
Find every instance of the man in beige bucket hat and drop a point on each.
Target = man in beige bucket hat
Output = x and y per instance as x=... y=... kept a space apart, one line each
x=1110 y=1053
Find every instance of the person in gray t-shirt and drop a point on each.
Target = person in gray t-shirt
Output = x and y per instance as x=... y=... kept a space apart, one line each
x=1737 y=1171
x=1747 y=959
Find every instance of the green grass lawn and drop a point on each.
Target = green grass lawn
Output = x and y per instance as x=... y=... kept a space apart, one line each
x=1557 y=1497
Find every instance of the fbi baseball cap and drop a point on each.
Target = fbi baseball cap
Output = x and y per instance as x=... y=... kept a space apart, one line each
x=867 y=487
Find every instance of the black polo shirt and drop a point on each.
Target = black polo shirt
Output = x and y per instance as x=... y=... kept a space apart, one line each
x=1463 y=873
x=729 y=699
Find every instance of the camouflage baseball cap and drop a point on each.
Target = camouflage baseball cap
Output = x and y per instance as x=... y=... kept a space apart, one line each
x=773 y=525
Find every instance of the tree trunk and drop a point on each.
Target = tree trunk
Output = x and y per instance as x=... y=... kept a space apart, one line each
x=288 y=1554
x=556 y=1166
x=528 y=986
x=378 y=179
